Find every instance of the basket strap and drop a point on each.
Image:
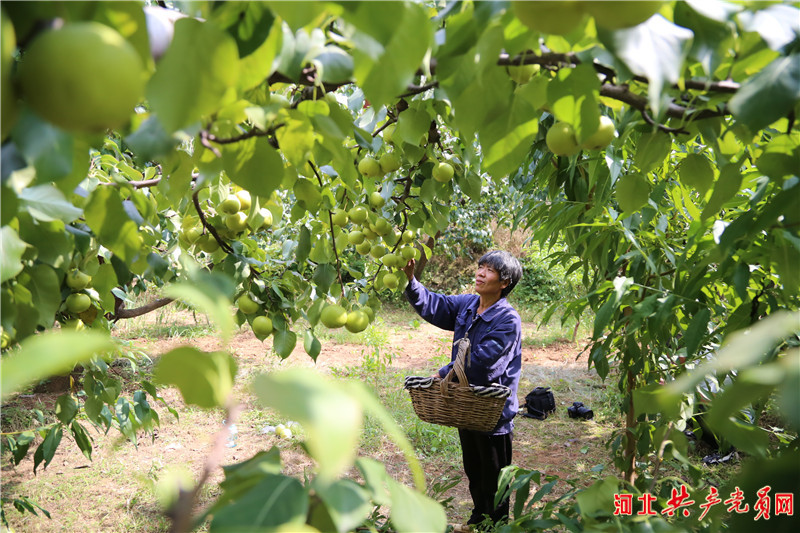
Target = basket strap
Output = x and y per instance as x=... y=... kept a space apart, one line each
x=463 y=354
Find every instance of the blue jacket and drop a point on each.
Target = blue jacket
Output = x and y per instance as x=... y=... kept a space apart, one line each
x=495 y=337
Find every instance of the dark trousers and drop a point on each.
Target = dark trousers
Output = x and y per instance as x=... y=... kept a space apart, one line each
x=484 y=456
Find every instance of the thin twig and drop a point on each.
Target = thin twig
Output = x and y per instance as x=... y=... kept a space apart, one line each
x=211 y=229
x=333 y=235
x=181 y=511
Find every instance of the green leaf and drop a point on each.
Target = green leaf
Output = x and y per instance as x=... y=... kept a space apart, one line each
x=311 y=344
x=82 y=439
x=696 y=171
x=54 y=246
x=10 y=205
x=47 y=449
x=697 y=330
x=276 y=501
x=107 y=218
x=780 y=157
x=470 y=184
x=651 y=150
x=324 y=276
x=655 y=49
x=507 y=139
x=151 y=141
x=395 y=39
x=475 y=83
x=769 y=94
x=721 y=417
x=535 y=91
x=66 y=408
x=632 y=192
x=375 y=480
x=296 y=138
x=376 y=409
x=330 y=416
x=45 y=292
x=104 y=281
x=334 y=65
x=598 y=500
x=210 y=294
x=257 y=66
x=298 y=14
x=253 y=164
x=412 y=124
x=46 y=203
x=205 y=379
x=284 y=340
x=413 y=511
x=573 y=99
x=50 y=354
x=250 y=23
x=264 y=462
x=47 y=148
x=603 y=315
x=646 y=399
x=19 y=446
x=11 y=259
x=346 y=504
x=196 y=76
x=725 y=188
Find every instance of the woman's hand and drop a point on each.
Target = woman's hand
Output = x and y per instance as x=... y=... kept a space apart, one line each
x=409 y=269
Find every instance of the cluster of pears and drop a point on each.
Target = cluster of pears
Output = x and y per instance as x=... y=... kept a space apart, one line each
x=78 y=301
x=233 y=218
x=336 y=316
x=253 y=310
x=561 y=17
x=561 y=139
x=373 y=235
x=371 y=167
x=235 y=209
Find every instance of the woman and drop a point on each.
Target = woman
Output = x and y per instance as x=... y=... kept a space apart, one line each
x=494 y=330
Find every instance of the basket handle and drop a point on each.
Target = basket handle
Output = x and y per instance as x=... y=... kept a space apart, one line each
x=458 y=367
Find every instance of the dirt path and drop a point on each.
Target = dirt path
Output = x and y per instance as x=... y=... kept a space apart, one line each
x=110 y=488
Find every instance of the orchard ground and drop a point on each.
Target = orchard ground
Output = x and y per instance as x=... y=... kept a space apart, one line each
x=116 y=490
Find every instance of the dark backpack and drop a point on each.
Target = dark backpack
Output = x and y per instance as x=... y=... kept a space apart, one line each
x=539 y=403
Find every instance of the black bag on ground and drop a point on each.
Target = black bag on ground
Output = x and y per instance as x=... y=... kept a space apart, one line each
x=539 y=403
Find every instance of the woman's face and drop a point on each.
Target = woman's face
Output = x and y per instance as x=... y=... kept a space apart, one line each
x=487 y=281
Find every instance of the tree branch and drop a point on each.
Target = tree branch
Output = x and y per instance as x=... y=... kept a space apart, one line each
x=622 y=92
x=255 y=132
x=120 y=312
x=639 y=102
x=419 y=89
x=571 y=59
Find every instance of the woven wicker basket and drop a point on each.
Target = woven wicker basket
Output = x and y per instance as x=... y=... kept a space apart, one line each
x=448 y=403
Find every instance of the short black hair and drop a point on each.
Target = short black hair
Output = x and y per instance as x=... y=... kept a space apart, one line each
x=507 y=267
